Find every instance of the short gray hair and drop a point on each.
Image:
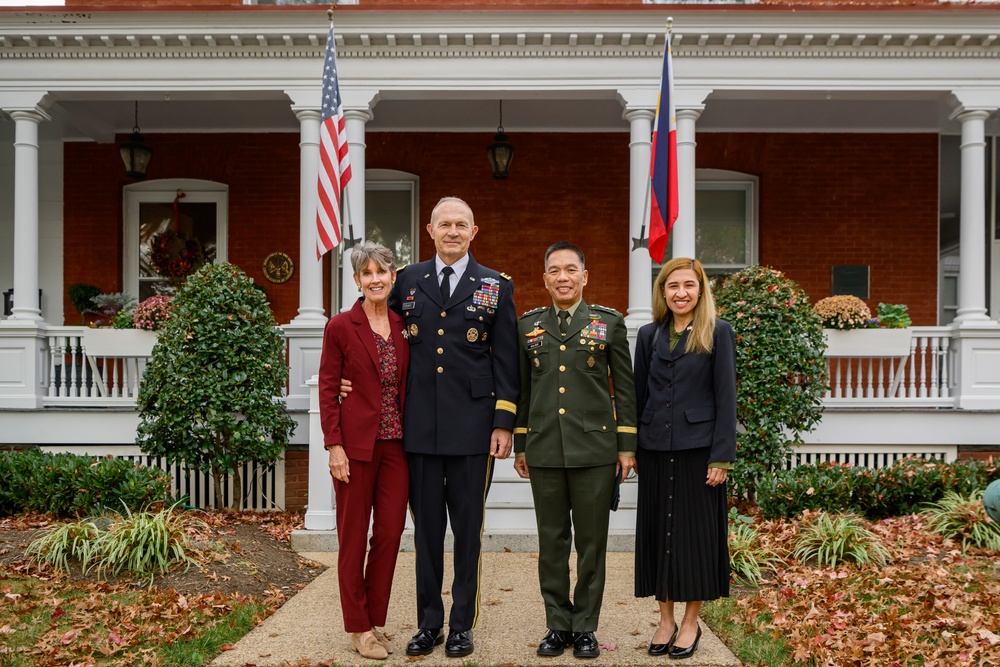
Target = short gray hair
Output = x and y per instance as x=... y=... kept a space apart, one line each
x=367 y=251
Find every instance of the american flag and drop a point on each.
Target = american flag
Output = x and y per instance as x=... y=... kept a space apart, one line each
x=334 y=161
x=663 y=165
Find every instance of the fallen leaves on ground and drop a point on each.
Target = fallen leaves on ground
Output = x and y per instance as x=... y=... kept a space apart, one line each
x=931 y=605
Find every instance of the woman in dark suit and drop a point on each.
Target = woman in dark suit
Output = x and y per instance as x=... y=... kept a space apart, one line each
x=363 y=434
x=685 y=379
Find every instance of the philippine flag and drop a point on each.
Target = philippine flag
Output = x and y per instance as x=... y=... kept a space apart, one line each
x=663 y=164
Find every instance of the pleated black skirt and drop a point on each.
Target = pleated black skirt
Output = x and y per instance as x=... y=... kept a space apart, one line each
x=681 y=531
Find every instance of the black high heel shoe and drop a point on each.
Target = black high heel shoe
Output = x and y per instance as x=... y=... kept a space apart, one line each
x=677 y=653
x=664 y=649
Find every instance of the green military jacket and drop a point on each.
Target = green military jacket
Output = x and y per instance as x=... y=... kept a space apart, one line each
x=566 y=415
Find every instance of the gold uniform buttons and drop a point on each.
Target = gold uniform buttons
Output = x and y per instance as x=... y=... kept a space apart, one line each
x=562 y=368
x=440 y=332
x=562 y=390
x=440 y=350
x=604 y=428
x=562 y=411
x=440 y=370
x=562 y=348
x=443 y=313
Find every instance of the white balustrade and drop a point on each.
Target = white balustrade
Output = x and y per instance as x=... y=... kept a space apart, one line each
x=920 y=379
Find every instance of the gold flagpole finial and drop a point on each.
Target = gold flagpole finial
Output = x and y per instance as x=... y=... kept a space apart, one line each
x=670 y=24
x=329 y=12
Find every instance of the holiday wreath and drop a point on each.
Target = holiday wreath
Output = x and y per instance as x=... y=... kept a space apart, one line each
x=175 y=255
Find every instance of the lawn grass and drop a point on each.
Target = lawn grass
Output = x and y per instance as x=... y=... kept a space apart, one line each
x=754 y=646
x=47 y=622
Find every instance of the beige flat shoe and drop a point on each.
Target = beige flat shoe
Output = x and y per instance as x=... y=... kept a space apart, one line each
x=368 y=647
x=382 y=639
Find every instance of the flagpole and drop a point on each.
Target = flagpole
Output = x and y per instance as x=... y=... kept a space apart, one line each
x=643 y=240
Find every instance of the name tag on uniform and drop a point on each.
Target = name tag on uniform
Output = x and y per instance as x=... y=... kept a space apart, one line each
x=408 y=305
x=534 y=342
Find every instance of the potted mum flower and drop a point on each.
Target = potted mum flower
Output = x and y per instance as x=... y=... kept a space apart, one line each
x=152 y=313
x=851 y=331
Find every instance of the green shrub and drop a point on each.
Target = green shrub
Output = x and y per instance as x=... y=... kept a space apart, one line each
x=71 y=485
x=829 y=539
x=211 y=395
x=780 y=370
x=963 y=517
x=900 y=489
x=81 y=295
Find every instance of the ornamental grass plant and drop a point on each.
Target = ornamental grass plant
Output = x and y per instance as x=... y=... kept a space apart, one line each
x=748 y=560
x=141 y=544
x=964 y=518
x=830 y=539
x=844 y=312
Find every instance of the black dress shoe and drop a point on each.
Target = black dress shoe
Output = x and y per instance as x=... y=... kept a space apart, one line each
x=677 y=653
x=663 y=649
x=424 y=642
x=555 y=642
x=585 y=645
x=459 y=644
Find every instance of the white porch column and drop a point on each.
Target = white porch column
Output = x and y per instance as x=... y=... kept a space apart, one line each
x=310 y=268
x=683 y=233
x=354 y=201
x=26 y=307
x=972 y=230
x=640 y=309
x=975 y=337
x=320 y=513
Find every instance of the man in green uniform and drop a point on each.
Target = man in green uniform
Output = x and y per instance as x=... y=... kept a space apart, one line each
x=575 y=432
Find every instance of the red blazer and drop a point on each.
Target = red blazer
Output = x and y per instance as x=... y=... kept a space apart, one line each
x=349 y=351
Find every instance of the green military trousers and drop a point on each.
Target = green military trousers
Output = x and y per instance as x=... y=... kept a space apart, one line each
x=583 y=494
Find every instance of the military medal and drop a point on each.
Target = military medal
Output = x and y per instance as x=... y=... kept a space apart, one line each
x=596 y=331
x=472 y=334
x=484 y=336
x=413 y=329
x=536 y=362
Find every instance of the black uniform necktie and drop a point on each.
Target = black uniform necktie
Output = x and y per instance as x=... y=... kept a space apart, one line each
x=446 y=284
x=563 y=322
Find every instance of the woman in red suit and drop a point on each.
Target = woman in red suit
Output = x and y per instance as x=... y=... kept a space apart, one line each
x=363 y=434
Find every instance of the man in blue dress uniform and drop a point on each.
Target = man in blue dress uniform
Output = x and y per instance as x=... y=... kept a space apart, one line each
x=461 y=400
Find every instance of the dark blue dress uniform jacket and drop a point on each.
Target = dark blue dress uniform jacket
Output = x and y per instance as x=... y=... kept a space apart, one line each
x=463 y=380
x=687 y=400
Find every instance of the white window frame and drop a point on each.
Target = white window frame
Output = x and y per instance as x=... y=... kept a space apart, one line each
x=721 y=179
x=164 y=191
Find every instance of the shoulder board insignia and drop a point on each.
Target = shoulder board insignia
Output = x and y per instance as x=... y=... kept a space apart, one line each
x=604 y=308
x=505 y=276
x=400 y=268
x=532 y=312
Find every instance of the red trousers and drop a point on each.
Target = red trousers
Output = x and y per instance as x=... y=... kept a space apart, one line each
x=375 y=495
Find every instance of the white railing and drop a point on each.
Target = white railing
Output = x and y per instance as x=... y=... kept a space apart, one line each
x=77 y=376
x=263 y=486
x=922 y=379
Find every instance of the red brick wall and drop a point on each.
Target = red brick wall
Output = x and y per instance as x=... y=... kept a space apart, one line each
x=296 y=479
x=844 y=199
x=571 y=187
x=824 y=200
x=261 y=170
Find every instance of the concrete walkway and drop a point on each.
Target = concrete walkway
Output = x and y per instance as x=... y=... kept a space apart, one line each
x=511 y=623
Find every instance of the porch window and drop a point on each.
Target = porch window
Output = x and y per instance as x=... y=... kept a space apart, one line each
x=725 y=223
x=153 y=207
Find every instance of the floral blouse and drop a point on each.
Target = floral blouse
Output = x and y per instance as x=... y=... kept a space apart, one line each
x=390 y=423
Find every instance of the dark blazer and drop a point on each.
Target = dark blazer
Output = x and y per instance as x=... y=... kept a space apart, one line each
x=463 y=378
x=565 y=418
x=687 y=400
x=349 y=351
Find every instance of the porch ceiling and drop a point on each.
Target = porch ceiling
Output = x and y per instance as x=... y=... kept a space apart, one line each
x=92 y=117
